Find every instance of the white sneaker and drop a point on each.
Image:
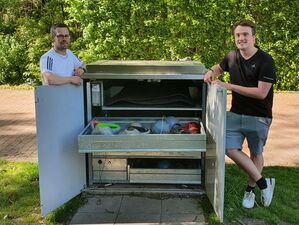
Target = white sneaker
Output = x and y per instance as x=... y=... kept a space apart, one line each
x=267 y=194
x=248 y=200
x=134 y=130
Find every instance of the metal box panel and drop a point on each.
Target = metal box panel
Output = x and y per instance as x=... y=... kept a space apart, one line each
x=151 y=154
x=109 y=170
x=186 y=176
x=89 y=143
x=59 y=120
x=100 y=176
x=215 y=156
x=180 y=70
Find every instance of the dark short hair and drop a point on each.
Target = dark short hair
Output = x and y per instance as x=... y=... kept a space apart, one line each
x=54 y=26
x=245 y=23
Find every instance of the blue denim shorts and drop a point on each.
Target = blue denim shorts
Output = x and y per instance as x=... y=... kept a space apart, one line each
x=255 y=129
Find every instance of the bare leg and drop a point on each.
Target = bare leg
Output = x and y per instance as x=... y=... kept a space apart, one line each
x=258 y=161
x=245 y=163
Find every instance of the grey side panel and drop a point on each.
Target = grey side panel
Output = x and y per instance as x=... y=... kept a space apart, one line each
x=59 y=120
x=215 y=156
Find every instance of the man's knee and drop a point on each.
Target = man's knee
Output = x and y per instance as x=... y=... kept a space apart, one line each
x=256 y=156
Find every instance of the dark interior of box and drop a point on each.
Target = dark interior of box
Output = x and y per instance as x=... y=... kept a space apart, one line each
x=165 y=94
x=164 y=163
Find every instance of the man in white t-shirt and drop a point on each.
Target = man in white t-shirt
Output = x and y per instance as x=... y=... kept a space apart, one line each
x=60 y=65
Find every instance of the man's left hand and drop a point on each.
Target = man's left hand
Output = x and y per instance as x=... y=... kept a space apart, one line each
x=78 y=72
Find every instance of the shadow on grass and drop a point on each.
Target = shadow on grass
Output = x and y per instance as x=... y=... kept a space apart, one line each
x=63 y=214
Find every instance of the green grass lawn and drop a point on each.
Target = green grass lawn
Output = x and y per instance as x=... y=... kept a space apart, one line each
x=19 y=193
x=19 y=198
x=284 y=208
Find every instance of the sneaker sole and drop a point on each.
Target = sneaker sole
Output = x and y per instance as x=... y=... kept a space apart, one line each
x=247 y=207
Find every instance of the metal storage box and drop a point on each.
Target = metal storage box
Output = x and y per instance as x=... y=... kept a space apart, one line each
x=145 y=89
x=123 y=92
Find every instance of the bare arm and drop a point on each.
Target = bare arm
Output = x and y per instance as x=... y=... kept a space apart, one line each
x=53 y=79
x=213 y=73
x=259 y=92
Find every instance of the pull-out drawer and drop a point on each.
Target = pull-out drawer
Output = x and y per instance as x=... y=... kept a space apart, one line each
x=148 y=144
x=147 y=170
x=165 y=176
x=165 y=170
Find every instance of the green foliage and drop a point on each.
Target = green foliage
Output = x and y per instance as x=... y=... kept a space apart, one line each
x=11 y=54
x=282 y=40
x=146 y=30
x=24 y=28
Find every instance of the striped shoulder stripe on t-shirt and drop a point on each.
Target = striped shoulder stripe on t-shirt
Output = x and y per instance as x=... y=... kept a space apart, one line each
x=76 y=56
x=49 y=63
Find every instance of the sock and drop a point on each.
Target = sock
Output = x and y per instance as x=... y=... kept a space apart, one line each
x=262 y=183
x=249 y=189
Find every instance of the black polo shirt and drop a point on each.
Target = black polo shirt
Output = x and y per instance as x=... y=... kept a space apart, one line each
x=247 y=73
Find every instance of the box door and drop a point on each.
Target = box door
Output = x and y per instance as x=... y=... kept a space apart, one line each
x=59 y=120
x=215 y=156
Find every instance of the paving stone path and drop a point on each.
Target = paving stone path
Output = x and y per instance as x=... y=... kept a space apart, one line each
x=18 y=133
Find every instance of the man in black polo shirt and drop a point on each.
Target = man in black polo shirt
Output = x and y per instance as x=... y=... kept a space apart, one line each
x=252 y=75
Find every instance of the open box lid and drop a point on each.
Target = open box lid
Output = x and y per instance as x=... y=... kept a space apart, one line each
x=155 y=70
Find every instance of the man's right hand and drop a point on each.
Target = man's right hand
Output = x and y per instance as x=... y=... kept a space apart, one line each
x=209 y=77
x=212 y=73
x=75 y=80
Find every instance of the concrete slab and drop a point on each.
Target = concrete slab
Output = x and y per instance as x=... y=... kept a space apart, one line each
x=181 y=205
x=185 y=223
x=132 y=204
x=138 y=218
x=102 y=204
x=180 y=218
x=145 y=210
x=93 y=218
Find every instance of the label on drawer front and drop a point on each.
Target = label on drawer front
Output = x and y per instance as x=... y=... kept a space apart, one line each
x=109 y=164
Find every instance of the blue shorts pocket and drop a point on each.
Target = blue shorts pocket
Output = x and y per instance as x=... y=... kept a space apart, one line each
x=264 y=120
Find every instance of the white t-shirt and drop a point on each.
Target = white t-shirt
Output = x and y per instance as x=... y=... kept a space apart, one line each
x=61 y=65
